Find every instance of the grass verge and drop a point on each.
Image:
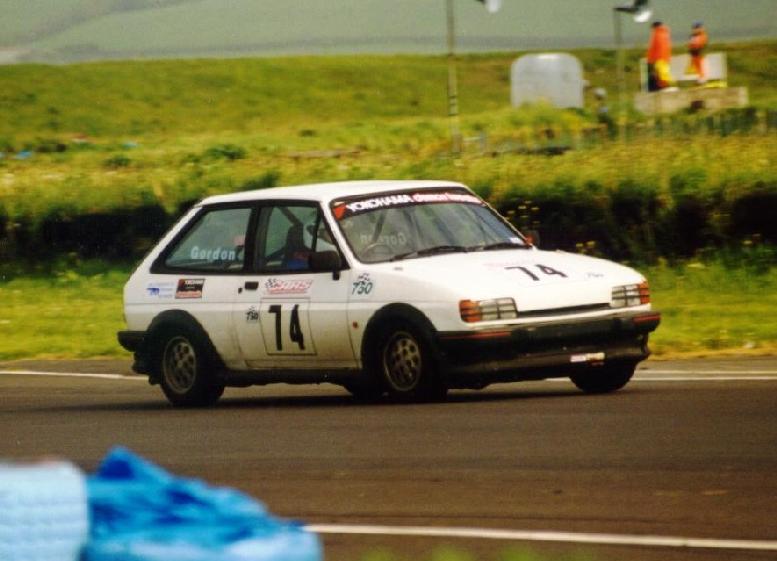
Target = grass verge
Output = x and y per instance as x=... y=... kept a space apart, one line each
x=722 y=307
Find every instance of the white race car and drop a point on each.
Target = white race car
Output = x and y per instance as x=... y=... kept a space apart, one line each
x=405 y=288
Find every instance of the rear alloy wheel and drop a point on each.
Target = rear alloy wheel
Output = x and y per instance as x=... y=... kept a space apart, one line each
x=406 y=366
x=604 y=379
x=185 y=374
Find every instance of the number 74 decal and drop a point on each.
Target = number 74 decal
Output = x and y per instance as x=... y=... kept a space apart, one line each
x=286 y=330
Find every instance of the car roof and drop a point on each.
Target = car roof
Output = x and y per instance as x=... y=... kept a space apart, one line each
x=326 y=192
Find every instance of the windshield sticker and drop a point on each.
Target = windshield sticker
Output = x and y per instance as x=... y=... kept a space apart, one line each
x=391 y=240
x=160 y=289
x=344 y=209
x=279 y=287
x=363 y=285
x=189 y=288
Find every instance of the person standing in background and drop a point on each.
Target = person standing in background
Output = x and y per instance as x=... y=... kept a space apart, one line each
x=696 y=45
x=659 y=54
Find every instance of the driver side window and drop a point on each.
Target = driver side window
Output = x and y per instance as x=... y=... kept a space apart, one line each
x=286 y=236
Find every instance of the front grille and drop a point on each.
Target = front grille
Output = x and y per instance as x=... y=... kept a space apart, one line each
x=568 y=311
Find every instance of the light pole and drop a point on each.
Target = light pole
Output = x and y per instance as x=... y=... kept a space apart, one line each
x=641 y=13
x=453 y=88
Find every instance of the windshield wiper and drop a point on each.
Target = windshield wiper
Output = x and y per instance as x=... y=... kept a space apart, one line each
x=499 y=245
x=430 y=251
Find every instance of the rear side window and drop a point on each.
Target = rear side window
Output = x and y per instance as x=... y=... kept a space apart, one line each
x=216 y=242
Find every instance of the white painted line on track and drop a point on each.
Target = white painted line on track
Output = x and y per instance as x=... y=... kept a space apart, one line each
x=745 y=378
x=709 y=372
x=640 y=376
x=544 y=536
x=71 y=375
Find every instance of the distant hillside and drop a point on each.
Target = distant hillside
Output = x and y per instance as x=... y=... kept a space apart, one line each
x=68 y=30
x=349 y=92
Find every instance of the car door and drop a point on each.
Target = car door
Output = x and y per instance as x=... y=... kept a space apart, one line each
x=285 y=315
x=200 y=272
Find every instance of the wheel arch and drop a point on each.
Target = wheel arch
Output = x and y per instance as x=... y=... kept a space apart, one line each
x=170 y=320
x=396 y=312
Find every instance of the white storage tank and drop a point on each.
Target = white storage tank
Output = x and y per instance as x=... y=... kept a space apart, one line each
x=556 y=78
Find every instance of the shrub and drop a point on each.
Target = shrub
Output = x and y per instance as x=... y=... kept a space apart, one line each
x=267 y=179
x=117 y=161
x=46 y=146
x=225 y=152
x=755 y=214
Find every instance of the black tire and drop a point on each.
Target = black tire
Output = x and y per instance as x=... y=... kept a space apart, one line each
x=368 y=391
x=403 y=364
x=185 y=369
x=604 y=379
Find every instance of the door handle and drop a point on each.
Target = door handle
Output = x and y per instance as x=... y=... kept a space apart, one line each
x=251 y=285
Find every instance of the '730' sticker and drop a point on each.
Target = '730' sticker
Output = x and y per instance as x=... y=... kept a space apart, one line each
x=362 y=286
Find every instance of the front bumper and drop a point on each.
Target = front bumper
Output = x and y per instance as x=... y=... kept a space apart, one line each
x=544 y=350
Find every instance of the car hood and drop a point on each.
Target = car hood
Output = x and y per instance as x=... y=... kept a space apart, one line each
x=536 y=279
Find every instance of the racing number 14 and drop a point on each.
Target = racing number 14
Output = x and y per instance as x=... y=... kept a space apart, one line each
x=295 y=330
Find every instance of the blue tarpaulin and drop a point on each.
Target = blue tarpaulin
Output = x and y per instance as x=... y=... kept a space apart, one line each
x=140 y=512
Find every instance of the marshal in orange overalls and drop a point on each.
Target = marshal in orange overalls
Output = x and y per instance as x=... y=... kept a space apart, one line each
x=696 y=45
x=659 y=54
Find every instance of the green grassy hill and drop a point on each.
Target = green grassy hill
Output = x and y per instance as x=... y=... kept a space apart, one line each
x=84 y=29
x=189 y=97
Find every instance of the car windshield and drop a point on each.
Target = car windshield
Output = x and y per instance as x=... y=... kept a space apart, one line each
x=407 y=225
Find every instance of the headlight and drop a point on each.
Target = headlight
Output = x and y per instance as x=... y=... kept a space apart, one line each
x=630 y=295
x=487 y=310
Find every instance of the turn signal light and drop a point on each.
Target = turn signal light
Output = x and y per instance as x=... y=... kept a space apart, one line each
x=470 y=311
x=644 y=293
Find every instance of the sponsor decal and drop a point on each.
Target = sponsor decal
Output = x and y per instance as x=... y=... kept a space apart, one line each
x=160 y=289
x=591 y=275
x=274 y=286
x=344 y=209
x=252 y=315
x=363 y=285
x=447 y=197
x=189 y=288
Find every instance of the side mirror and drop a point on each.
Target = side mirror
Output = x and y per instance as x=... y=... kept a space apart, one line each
x=325 y=261
x=533 y=237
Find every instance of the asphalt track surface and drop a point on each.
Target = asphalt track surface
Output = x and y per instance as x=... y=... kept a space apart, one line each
x=687 y=451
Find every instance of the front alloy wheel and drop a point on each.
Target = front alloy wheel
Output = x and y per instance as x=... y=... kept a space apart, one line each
x=406 y=365
x=403 y=362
